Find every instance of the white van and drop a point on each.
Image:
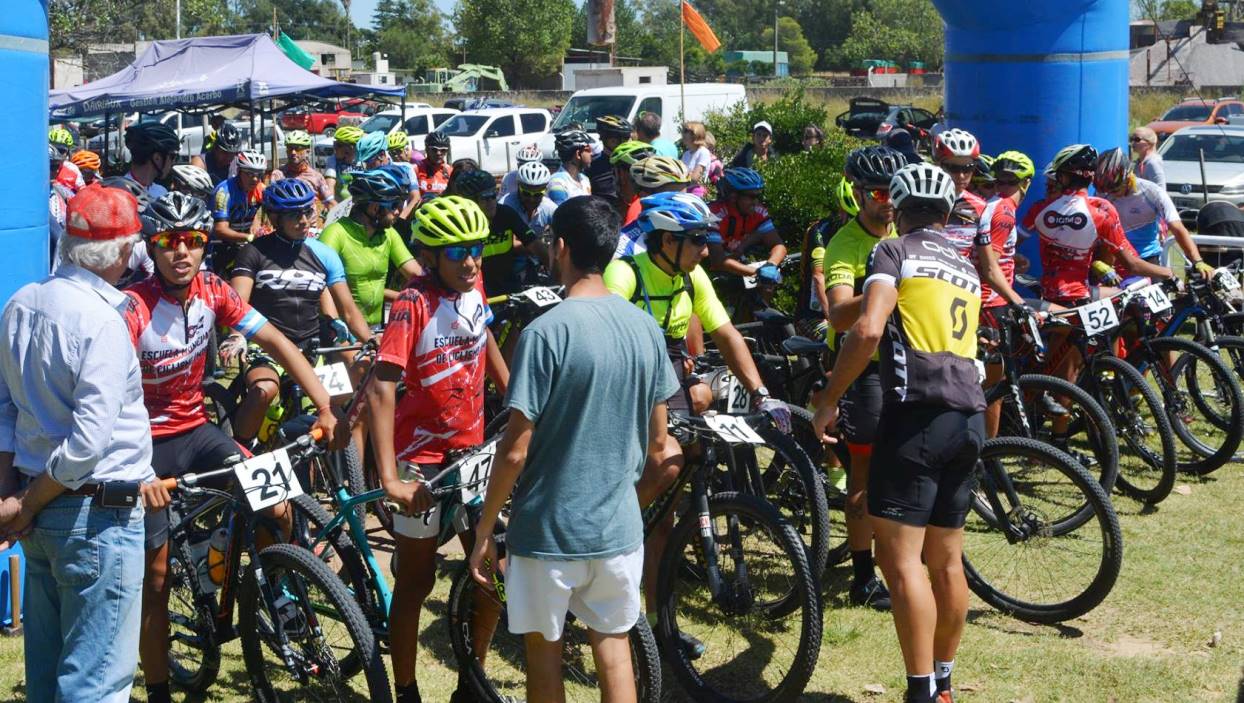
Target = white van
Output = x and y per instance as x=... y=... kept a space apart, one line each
x=665 y=100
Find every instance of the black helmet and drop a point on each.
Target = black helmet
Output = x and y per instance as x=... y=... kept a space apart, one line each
x=375 y=186
x=229 y=138
x=570 y=141
x=57 y=153
x=874 y=166
x=151 y=138
x=176 y=212
x=130 y=186
x=1079 y=159
x=614 y=126
x=436 y=140
x=473 y=184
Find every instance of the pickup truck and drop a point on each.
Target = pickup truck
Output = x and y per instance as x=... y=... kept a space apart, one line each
x=323 y=118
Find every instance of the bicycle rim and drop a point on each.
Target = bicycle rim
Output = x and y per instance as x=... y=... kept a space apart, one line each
x=1147 y=447
x=194 y=656
x=1205 y=404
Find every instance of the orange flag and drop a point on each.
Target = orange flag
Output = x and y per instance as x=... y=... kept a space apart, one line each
x=699 y=28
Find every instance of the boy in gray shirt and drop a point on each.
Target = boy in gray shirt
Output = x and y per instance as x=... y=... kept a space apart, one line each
x=587 y=400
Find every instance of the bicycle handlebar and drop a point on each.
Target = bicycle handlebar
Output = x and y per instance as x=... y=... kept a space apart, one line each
x=191 y=480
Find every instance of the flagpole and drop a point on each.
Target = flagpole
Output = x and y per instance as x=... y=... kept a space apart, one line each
x=682 y=61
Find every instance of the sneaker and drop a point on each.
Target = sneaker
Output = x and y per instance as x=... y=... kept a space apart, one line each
x=1052 y=406
x=944 y=697
x=691 y=647
x=871 y=593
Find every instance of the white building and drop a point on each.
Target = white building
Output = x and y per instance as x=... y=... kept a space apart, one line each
x=579 y=76
x=331 y=61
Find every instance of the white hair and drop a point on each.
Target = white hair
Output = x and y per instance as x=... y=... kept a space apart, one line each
x=93 y=254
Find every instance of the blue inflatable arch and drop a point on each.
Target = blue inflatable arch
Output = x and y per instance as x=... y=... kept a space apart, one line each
x=24 y=123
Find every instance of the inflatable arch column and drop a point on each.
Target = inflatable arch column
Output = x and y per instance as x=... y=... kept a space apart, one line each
x=23 y=124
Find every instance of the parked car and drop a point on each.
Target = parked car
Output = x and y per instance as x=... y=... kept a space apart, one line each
x=420 y=120
x=1223 y=147
x=863 y=116
x=323 y=118
x=461 y=104
x=1192 y=112
x=494 y=136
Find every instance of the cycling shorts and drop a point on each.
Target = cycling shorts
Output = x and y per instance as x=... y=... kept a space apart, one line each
x=860 y=409
x=922 y=474
x=203 y=448
x=420 y=525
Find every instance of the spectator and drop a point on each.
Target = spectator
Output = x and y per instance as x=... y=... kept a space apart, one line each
x=1149 y=166
x=575 y=536
x=73 y=477
x=648 y=129
x=900 y=140
x=760 y=148
x=696 y=156
x=715 y=167
x=813 y=137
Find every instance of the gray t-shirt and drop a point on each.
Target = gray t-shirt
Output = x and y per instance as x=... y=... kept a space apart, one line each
x=588 y=373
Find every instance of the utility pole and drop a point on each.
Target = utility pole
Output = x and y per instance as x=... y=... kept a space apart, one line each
x=776 y=4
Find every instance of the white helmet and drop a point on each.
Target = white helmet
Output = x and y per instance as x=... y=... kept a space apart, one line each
x=251 y=160
x=529 y=153
x=955 y=142
x=192 y=179
x=922 y=184
x=534 y=174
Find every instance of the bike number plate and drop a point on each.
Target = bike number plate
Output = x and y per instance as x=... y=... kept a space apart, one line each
x=750 y=282
x=1156 y=298
x=1229 y=281
x=733 y=429
x=335 y=378
x=474 y=470
x=738 y=400
x=541 y=296
x=1098 y=316
x=268 y=479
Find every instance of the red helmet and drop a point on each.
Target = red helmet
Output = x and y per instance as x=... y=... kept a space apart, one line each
x=101 y=214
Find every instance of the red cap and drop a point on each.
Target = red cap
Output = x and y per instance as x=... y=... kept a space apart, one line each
x=102 y=213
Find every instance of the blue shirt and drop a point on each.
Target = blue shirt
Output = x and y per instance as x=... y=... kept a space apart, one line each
x=1145 y=215
x=665 y=147
x=562 y=186
x=590 y=403
x=71 y=394
x=540 y=220
x=230 y=202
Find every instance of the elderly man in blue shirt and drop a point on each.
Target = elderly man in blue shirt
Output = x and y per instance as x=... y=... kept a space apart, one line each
x=75 y=459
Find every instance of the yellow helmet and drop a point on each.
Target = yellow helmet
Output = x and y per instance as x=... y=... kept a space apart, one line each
x=628 y=152
x=1014 y=162
x=298 y=138
x=349 y=134
x=656 y=171
x=846 y=198
x=398 y=140
x=60 y=135
x=448 y=220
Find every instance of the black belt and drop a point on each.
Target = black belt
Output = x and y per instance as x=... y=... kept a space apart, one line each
x=108 y=494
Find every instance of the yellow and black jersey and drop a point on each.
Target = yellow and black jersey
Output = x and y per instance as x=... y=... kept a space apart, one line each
x=928 y=354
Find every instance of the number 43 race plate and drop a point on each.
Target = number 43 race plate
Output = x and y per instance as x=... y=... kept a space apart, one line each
x=268 y=479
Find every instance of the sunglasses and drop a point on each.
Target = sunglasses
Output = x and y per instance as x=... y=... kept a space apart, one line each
x=698 y=239
x=956 y=168
x=1007 y=182
x=460 y=252
x=300 y=213
x=532 y=193
x=1134 y=140
x=172 y=240
x=488 y=196
x=881 y=195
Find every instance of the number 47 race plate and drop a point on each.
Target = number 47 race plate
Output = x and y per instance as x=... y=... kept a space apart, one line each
x=268 y=479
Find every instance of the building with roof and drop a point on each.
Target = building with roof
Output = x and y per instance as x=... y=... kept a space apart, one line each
x=331 y=61
x=1184 y=61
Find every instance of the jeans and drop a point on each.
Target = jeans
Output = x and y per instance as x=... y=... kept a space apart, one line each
x=84 y=579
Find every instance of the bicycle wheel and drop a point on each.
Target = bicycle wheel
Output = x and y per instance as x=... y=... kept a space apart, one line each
x=1203 y=401
x=338 y=553
x=343 y=466
x=493 y=659
x=833 y=482
x=752 y=654
x=1033 y=567
x=194 y=654
x=1047 y=399
x=1147 y=468
x=320 y=626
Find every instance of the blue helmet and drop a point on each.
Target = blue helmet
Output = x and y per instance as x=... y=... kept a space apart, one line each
x=371 y=146
x=287 y=194
x=399 y=174
x=743 y=179
x=377 y=185
x=675 y=212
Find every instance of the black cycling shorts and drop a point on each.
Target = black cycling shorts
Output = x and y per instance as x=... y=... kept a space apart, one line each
x=204 y=448
x=860 y=408
x=921 y=474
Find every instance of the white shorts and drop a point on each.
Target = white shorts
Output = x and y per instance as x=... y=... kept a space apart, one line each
x=420 y=525
x=602 y=593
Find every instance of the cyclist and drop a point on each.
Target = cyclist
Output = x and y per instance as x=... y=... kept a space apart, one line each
x=812 y=305
x=652 y=175
x=298 y=165
x=88 y=164
x=621 y=159
x=613 y=131
x=220 y=155
x=508 y=232
x=192 y=180
x=235 y=205
x=869 y=170
x=745 y=227
x=530 y=198
x=437 y=343
x=339 y=166
x=69 y=174
x=574 y=148
x=1145 y=211
x=171 y=316
x=432 y=174
x=956 y=152
x=285 y=276
x=668 y=283
x=509 y=182
x=58 y=204
x=153 y=150
x=983 y=184
x=400 y=155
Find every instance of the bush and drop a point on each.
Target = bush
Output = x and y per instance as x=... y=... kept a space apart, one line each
x=788 y=115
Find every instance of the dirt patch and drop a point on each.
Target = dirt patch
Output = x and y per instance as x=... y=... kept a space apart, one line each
x=1128 y=646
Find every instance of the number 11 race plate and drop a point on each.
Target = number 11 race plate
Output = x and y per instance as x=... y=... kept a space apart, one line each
x=268 y=479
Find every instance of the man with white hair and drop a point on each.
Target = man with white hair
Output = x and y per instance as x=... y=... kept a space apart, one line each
x=75 y=458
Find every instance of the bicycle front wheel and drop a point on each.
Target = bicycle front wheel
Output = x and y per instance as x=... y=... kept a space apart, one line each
x=1203 y=401
x=720 y=580
x=1017 y=557
x=1147 y=459
x=194 y=655
x=299 y=626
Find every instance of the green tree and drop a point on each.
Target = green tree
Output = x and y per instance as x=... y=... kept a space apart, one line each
x=896 y=30
x=411 y=32
x=526 y=38
x=322 y=20
x=800 y=54
x=1177 y=10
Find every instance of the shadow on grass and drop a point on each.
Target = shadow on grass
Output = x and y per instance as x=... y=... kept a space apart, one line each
x=984 y=618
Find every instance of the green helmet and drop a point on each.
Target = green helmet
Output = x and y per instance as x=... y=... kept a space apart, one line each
x=298 y=138
x=628 y=152
x=1014 y=162
x=448 y=220
x=846 y=198
x=60 y=135
x=398 y=140
x=349 y=134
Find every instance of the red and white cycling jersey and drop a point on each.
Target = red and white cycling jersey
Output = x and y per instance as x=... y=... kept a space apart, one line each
x=172 y=343
x=997 y=229
x=963 y=222
x=438 y=338
x=1071 y=226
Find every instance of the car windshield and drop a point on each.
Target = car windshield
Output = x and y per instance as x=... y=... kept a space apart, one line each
x=1219 y=148
x=1188 y=113
x=462 y=125
x=584 y=109
x=380 y=123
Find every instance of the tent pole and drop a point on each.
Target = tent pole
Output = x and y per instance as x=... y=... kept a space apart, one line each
x=107 y=117
x=274 y=154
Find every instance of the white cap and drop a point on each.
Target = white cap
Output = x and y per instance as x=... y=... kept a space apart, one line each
x=768 y=127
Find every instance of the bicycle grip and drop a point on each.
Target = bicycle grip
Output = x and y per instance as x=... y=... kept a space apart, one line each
x=317 y=433
x=170 y=484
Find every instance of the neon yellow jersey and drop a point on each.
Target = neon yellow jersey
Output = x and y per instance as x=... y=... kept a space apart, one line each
x=366 y=260
x=846 y=262
x=661 y=289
